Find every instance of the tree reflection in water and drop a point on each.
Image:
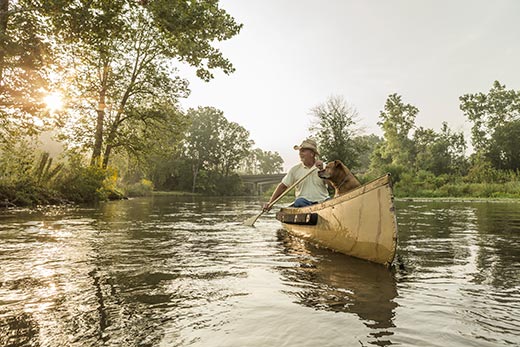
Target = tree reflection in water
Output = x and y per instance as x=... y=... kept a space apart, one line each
x=331 y=281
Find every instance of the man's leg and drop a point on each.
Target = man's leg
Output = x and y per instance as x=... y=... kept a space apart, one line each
x=302 y=202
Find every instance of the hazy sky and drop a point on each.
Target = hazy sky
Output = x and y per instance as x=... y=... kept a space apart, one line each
x=291 y=55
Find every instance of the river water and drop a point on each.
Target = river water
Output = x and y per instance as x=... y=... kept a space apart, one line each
x=184 y=271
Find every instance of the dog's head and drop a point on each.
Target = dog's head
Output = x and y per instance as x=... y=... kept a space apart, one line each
x=334 y=171
x=339 y=176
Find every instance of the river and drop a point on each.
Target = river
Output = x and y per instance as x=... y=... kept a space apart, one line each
x=184 y=271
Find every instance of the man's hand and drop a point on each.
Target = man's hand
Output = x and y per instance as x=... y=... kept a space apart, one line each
x=266 y=207
x=319 y=164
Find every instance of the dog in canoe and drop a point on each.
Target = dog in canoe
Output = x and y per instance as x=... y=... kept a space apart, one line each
x=339 y=176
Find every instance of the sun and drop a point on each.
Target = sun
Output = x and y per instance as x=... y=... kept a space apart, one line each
x=53 y=101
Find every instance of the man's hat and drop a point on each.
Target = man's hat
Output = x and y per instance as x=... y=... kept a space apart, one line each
x=308 y=144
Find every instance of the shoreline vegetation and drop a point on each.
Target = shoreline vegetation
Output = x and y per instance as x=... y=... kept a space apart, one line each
x=31 y=194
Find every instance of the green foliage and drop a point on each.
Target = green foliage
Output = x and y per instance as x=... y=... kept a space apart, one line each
x=496 y=124
x=504 y=151
x=24 y=55
x=18 y=182
x=190 y=30
x=483 y=171
x=368 y=144
x=259 y=162
x=124 y=82
x=487 y=111
x=335 y=131
x=397 y=120
x=214 y=183
x=17 y=159
x=142 y=188
x=440 y=153
x=421 y=183
x=26 y=192
x=491 y=184
x=43 y=172
x=214 y=144
x=83 y=184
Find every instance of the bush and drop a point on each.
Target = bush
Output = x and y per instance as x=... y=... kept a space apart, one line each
x=214 y=183
x=83 y=184
x=142 y=188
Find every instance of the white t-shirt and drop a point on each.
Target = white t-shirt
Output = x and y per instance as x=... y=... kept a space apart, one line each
x=312 y=188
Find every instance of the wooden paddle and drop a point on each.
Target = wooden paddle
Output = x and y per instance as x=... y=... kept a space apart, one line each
x=251 y=221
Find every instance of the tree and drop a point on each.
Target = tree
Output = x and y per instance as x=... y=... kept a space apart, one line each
x=260 y=162
x=123 y=55
x=234 y=145
x=213 y=143
x=269 y=162
x=335 y=131
x=368 y=143
x=440 y=153
x=504 y=152
x=397 y=120
x=24 y=57
x=495 y=116
x=202 y=138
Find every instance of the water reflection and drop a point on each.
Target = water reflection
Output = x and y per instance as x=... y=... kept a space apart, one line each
x=463 y=259
x=482 y=236
x=325 y=280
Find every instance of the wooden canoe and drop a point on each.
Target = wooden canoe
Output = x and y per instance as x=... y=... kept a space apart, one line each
x=361 y=223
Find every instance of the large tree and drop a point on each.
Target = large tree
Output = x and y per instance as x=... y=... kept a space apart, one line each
x=234 y=144
x=260 y=162
x=24 y=57
x=118 y=61
x=440 y=152
x=213 y=143
x=495 y=116
x=397 y=121
x=504 y=151
x=335 y=129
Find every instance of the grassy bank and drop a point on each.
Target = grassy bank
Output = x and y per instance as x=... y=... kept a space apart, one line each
x=175 y=193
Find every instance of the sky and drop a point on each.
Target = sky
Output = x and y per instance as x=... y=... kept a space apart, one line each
x=292 y=55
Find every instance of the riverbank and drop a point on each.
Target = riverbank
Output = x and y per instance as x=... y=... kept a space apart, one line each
x=175 y=192
x=31 y=195
x=458 y=199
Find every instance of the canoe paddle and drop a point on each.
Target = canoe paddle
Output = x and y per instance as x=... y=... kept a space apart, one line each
x=251 y=221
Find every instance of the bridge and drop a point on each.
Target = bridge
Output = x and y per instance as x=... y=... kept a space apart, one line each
x=259 y=183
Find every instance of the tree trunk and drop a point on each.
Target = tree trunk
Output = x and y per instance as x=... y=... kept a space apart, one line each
x=108 y=149
x=117 y=122
x=110 y=142
x=98 y=137
x=195 y=168
x=4 y=16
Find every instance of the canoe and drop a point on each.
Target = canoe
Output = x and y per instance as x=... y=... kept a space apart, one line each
x=361 y=223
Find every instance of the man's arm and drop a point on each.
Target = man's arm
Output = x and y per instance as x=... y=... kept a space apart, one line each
x=277 y=192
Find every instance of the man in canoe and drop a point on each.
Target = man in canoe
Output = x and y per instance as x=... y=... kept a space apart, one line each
x=310 y=190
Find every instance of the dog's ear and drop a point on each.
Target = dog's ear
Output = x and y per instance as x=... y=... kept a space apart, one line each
x=337 y=163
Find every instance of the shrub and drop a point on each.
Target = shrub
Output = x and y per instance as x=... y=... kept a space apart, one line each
x=83 y=184
x=142 y=188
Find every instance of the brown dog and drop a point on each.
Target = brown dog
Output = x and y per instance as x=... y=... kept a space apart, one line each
x=340 y=177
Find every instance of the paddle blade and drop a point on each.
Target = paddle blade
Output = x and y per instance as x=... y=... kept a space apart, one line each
x=251 y=221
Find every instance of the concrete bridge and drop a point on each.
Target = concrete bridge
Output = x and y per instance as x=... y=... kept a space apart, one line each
x=260 y=183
